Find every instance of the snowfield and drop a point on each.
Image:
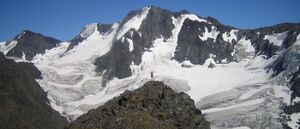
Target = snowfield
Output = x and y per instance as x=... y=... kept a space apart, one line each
x=74 y=87
x=232 y=95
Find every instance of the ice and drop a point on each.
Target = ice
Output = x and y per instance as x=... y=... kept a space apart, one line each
x=251 y=92
x=225 y=110
x=228 y=37
x=70 y=77
x=276 y=38
x=134 y=22
x=247 y=103
x=74 y=87
x=260 y=62
x=282 y=92
x=203 y=80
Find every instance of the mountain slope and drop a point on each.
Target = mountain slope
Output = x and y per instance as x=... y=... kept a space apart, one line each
x=222 y=68
x=27 y=44
x=154 y=105
x=23 y=103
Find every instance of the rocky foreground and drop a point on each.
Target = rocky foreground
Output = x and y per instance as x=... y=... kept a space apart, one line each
x=23 y=103
x=153 y=106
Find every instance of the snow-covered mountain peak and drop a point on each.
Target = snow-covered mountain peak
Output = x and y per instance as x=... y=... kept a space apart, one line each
x=89 y=30
x=133 y=23
x=196 y=55
x=21 y=34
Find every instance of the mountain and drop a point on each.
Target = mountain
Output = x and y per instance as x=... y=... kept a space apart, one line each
x=24 y=104
x=154 y=105
x=28 y=44
x=238 y=77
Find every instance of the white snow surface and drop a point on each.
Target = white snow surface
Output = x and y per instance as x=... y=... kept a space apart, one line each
x=88 y=30
x=295 y=119
x=194 y=17
x=246 y=44
x=134 y=22
x=95 y=45
x=242 y=127
x=229 y=36
x=5 y=47
x=276 y=38
x=298 y=40
x=70 y=77
x=74 y=88
x=247 y=103
x=296 y=100
x=131 y=47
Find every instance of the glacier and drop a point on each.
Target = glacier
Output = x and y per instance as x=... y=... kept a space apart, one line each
x=243 y=94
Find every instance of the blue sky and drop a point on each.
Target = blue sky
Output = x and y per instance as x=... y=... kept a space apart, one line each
x=63 y=19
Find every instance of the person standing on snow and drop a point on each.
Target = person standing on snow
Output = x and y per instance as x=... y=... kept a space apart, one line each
x=151 y=74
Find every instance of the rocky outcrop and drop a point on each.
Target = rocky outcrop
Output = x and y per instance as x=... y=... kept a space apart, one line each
x=153 y=106
x=196 y=50
x=23 y=103
x=116 y=62
x=29 y=44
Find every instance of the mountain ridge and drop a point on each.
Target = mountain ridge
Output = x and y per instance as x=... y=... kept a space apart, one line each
x=177 y=47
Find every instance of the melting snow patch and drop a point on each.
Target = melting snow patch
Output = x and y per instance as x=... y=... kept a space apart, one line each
x=212 y=34
x=229 y=36
x=131 y=47
x=295 y=120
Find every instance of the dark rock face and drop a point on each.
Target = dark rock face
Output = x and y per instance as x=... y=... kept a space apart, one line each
x=295 y=88
x=30 y=44
x=157 y=23
x=115 y=63
x=102 y=28
x=191 y=47
x=153 y=106
x=23 y=104
x=264 y=47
